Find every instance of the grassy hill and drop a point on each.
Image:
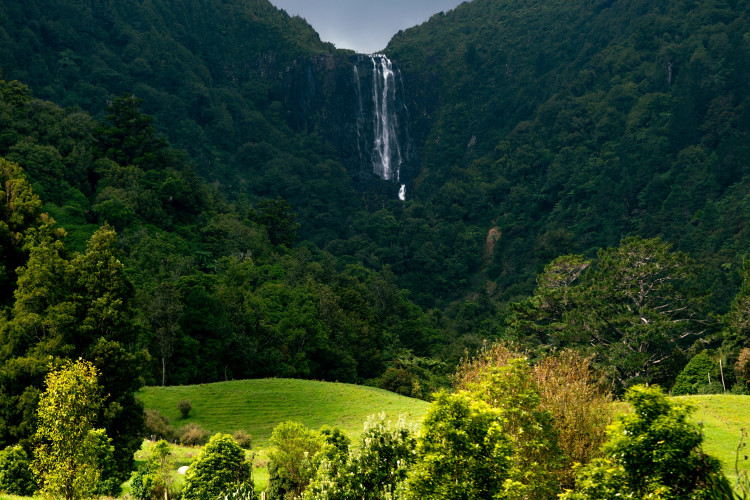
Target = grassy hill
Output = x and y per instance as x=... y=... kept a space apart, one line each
x=257 y=406
x=723 y=417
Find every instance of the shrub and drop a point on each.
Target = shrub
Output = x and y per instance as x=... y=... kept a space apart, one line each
x=184 y=407
x=193 y=435
x=695 y=377
x=218 y=468
x=291 y=459
x=154 y=481
x=15 y=472
x=157 y=426
x=568 y=388
x=653 y=452
x=243 y=439
x=376 y=470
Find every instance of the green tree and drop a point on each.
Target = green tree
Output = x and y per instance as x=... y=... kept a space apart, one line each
x=16 y=477
x=653 y=452
x=292 y=459
x=279 y=220
x=637 y=310
x=377 y=470
x=463 y=452
x=700 y=376
x=65 y=459
x=219 y=466
x=155 y=481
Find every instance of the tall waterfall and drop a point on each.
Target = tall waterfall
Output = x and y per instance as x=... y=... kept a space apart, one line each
x=381 y=146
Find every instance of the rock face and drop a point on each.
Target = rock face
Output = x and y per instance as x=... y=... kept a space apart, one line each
x=357 y=103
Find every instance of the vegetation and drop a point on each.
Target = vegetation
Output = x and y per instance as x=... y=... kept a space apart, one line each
x=580 y=197
x=653 y=452
x=219 y=466
x=71 y=458
x=257 y=406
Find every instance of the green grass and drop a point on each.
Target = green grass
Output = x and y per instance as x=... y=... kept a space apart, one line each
x=257 y=406
x=723 y=417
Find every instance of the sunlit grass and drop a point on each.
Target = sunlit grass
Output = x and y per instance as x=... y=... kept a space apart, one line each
x=257 y=406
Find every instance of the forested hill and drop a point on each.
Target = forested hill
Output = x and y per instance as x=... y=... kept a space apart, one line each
x=211 y=72
x=566 y=125
x=541 y=128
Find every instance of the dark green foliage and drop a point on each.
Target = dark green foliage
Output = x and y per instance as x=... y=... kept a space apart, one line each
x=184 y=408
x=700 y=376
x=16 y=477
x=219 y=466
x=653 y=451
x=638 y=310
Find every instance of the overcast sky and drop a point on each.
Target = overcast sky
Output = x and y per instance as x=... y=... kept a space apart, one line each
x=363 y=25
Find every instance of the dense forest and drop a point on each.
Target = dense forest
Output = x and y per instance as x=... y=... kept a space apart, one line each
x=177 y=210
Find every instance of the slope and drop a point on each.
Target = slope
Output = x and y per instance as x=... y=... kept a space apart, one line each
x=257 y=406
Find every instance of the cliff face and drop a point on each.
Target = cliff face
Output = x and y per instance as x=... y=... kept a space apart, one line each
x=357 y=104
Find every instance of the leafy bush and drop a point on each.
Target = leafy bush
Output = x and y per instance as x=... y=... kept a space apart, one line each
x=219 y=466
x=700 y=376
x=184 y=407
x=292 y=463
x=15 y=472
x=193 y=435
x=243 y=439
x=154 y=482
x=377 y=470
x=463 y=451
x=157 y=426
x=653 y=452
x=102 y=452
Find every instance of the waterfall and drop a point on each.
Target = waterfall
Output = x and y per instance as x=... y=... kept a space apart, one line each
x=382 y=144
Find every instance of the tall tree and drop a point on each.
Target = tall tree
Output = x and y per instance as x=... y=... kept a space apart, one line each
x=63 y=457
x=637 y=309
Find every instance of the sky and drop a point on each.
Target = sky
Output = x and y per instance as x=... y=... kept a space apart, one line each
x=365 y=26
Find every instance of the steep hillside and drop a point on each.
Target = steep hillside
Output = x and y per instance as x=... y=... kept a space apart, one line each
x=212 y=74
x=566 y=125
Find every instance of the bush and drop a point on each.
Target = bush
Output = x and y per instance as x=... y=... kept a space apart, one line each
x=568 y=388
x=193 y=435
x=243 y=439
x=653 y=452
x=154 y=481
x=694 y=378
x=292 y=459
x=184 y=407
x=157 y=426
x=15 y=472
x=218 y=468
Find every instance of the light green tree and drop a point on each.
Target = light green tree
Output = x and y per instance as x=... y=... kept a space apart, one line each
x=292 y=459
x=67 y=447
x=463 y=451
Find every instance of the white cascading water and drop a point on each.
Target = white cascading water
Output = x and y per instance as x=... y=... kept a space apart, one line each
x=381 y=147
x=387 y=154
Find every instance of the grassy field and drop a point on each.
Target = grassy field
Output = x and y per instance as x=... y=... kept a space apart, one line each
x=723 y=418
x=257 y=406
